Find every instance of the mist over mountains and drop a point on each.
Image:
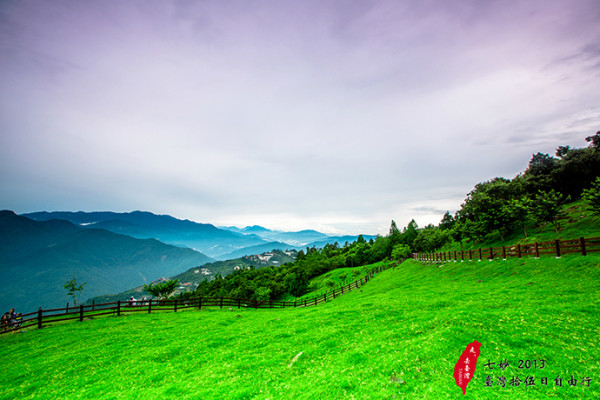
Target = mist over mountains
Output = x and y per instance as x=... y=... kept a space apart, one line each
x=221 y=243
x=114 y=252
x=38 y=257
x=300 y=238
x=206 y=238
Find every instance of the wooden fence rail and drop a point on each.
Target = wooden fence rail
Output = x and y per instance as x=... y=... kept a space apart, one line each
x=556 y=248
x=43 y=317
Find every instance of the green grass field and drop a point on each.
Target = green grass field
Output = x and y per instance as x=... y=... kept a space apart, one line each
x=396 y=338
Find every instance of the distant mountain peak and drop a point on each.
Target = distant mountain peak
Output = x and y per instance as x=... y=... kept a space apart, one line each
x=256 y=228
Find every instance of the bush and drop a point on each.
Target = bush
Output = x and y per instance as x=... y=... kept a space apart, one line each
x=591 y=196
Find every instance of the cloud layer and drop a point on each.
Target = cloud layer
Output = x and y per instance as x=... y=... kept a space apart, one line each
x=287 y=114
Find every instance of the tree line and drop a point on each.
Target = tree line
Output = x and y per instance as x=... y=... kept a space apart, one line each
x=508 y=205
x=271 y=283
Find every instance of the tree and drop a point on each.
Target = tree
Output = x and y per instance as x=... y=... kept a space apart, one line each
x=447 y=221
x=575 y=171
x=410 y=233
x=540 y=164
x=482 y=212
x=400 y=252
x=519 y=210
x=74 y=290
x=538 y=175
x=162 y=290
x=594 y=140
x=562 y=151
x=394 y=229
x=262 y=294
x=456 y=232
x=430 y=238
x=381 y=249
x=591 y=196
x=297 y=283
x=547 y=207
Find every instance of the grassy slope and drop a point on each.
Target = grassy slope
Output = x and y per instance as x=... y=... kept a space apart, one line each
x=334 y=279
x=413 y=321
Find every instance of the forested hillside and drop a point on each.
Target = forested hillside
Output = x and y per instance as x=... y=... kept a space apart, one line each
x=189 y=280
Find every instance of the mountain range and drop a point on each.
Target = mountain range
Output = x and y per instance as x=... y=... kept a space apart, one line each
x=206 y=238
x=113 y=252
x=298 y=239
x=38 y=257
x=221 y=243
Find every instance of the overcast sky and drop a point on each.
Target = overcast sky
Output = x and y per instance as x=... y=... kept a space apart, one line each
x=332 y=115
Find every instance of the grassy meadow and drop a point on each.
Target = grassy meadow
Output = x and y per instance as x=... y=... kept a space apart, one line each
x=398 y=337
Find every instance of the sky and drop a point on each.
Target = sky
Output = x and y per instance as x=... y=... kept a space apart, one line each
x=315 y=114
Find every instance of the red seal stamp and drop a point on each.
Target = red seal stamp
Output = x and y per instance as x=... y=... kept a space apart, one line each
x=465 y=367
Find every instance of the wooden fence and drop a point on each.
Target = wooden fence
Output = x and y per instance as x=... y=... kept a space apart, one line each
x=556 y=248
x=43 y=317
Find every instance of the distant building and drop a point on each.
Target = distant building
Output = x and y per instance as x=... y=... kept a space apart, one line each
x=265 y=257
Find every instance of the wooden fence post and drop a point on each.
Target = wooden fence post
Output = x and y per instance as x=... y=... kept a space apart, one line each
x=304 y=303
x=582 y=245
x=93 y=305
x=149 y=306
x=504 y=252
x=470 y=254
x=557 y=243
x=40 y=318
x=519 y=250
x=81 y=313
x=491 y=253
x=537 y=250
x=67 y=307
x=200 y=303
x=118 y=307
x=175 y=306
x=315 y=301
x=239 y=303
x=480 y=256
x=221 y=302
